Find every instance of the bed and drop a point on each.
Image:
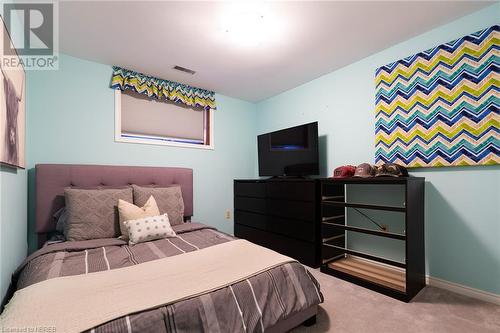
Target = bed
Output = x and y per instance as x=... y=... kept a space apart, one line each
x=275 y=299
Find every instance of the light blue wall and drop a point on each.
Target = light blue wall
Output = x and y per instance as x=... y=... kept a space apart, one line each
x=71 y=120
x=13 y=217
x=13 y=222
x=462 y=204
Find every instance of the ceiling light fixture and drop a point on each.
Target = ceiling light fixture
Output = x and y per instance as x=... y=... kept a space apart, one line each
x=250 y=24
x=247 y=28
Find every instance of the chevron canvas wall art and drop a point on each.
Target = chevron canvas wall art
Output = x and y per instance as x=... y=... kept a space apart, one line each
x=441 y=107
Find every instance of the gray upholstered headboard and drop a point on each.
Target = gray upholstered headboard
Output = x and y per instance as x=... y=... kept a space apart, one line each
x=51 y=179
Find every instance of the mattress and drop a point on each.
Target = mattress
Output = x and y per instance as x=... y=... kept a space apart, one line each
x=252 y=305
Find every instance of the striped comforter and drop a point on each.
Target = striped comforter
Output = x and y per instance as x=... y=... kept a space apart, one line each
x=252 y=305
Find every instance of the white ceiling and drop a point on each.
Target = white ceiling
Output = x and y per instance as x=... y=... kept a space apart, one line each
x=314 y=38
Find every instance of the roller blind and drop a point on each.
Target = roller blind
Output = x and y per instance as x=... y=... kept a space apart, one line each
x=143 y=116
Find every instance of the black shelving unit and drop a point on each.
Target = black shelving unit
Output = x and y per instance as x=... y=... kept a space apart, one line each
x=401 y=279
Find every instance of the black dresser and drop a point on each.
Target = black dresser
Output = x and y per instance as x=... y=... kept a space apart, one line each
x=280 y=214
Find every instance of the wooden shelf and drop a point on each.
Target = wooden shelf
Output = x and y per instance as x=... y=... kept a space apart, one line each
x=364 y=206
x=332 y=197
x=367 y=256
x=332 y=218
x=367 y=231
x=376 y=273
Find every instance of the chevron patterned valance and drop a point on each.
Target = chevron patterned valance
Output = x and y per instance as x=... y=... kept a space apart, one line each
x=162 y=89
x=441 y=107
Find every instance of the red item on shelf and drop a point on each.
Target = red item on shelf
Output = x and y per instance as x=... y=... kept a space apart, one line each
x=344 y=171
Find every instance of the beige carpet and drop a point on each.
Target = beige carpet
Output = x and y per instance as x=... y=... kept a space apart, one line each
x=349 y=308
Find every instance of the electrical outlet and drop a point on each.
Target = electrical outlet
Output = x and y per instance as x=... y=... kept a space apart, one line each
x=228 y=214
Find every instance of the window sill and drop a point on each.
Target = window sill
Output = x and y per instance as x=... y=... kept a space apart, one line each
x=163 y=143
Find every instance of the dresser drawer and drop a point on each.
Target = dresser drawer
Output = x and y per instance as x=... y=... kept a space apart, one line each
x=254 y=220
x=299 y=190
x=250 y=189
x=291 y=228
x=248 y=204
x=298 y=210
x=306 y=253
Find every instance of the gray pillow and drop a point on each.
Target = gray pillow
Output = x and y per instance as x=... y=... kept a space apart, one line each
x=93 y=214
x=61 y=219
x=168 y=199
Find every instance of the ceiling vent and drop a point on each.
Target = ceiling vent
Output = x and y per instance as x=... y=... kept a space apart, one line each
x=184 y=69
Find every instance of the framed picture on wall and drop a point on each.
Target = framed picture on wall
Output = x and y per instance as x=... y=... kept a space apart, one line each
x=12 y=104
x=439 y=107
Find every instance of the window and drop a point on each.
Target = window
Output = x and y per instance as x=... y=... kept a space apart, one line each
x=139 y=119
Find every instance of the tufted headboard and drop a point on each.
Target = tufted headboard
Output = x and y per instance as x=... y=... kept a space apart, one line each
x=52 y=179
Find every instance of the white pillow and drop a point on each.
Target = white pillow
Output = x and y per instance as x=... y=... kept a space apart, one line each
x=128 y=211
x=149 y=228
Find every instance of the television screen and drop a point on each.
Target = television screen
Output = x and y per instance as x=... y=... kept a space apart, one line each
x=289 y=152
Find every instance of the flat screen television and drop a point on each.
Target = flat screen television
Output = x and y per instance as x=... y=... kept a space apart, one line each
x=289 y=152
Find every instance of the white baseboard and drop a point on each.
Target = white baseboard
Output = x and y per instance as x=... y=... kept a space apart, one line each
x=463 y=290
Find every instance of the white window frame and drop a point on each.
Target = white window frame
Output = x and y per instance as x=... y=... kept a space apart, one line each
x=162 y=141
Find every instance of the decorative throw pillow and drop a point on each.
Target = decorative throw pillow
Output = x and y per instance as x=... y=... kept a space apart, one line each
x=93 y=214
x=130 y=211
x=169 y=200
x=149 y=228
